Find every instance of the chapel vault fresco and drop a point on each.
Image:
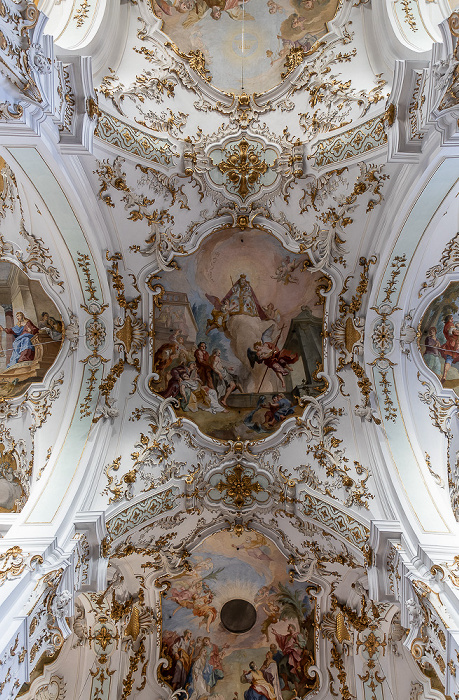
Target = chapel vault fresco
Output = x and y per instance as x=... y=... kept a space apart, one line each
x=238 y=335
x=272 y=659
x=31 y=331
x=257 y=33
x=439 y=339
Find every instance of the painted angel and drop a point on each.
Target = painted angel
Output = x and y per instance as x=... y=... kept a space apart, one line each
x=266 y=352
x=216 y=7
x=284 y=272
x=220 y=313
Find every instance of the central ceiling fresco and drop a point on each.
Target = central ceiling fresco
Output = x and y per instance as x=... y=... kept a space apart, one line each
x=238 y=335
x=245 y=43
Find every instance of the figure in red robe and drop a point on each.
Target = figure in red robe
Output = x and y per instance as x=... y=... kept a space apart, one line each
x=450 y=348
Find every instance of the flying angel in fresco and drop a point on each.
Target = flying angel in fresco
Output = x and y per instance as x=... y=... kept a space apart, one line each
x=284 y=272
x=216 y=7
x=266 y=352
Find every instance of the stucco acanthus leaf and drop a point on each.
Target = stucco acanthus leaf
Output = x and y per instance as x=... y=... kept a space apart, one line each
x=10 y=111
x=18 y=22
x=151 y=85
x=9 y=192
x=321 y=244
x=440 y=407
x=163 y=184
x=332 y=99
x=107 y=410
x=40 y=402
x=449 y=261
x=39 y=258
x=318 y=427
x=414 y=613
x=80 y=625
x=151 y=459
x=408 y=334
x=416 y=690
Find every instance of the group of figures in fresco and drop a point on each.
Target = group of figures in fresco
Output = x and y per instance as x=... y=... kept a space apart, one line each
x=269 y=662
x=233 y=358
x=440 y=337
x=272 y=28
x=31 y=333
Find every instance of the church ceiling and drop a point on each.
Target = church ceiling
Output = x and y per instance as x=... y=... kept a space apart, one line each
x=228 y=363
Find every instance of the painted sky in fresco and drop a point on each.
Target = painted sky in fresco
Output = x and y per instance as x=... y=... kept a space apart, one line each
x=257 y=44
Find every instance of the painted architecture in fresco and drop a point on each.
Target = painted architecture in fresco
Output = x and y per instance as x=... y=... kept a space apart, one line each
x=439 y=341
x=271 y=661
x=272 y=29
x=31 y=331
x=238 y=335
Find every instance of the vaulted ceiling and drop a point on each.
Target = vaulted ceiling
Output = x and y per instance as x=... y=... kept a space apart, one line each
x=228 y=368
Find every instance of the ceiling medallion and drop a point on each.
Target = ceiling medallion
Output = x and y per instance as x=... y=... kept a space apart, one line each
x=239 y=488
x=243 y=167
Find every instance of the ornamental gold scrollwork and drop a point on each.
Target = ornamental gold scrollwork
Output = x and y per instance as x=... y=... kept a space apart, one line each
x=347 y=334
x=195 y=59
x=451 y=96
x=95 y=333
x=243 y=167
x=82 y=13
x=14 y=562
x=18 y=21
x=130 y=333
x=449 y=262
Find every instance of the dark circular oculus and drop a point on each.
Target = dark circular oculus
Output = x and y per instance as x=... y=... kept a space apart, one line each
x=238 y=615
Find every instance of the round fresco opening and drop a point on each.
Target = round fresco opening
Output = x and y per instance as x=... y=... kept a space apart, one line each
x=238 y=616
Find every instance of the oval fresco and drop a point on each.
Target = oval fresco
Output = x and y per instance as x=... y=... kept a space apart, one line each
x=31 y=331
x=245 y=43
x=273 y=658
x=238 y=335
x=439 y=341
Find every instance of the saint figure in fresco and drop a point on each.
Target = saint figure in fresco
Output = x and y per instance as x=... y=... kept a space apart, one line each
x=293 y=647
x=260 y=688
x=284 y=272
x=23 y=331
x=241 y=299
x=432 y=352
x=279 y=408
x=450 y=348
x=182 y=654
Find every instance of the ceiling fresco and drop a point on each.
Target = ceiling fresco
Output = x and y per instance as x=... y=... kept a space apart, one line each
x=245 y=45
x=440 y=334
x=237 y=335
x=229 y=350
x=31 y=331
x=274 y=656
